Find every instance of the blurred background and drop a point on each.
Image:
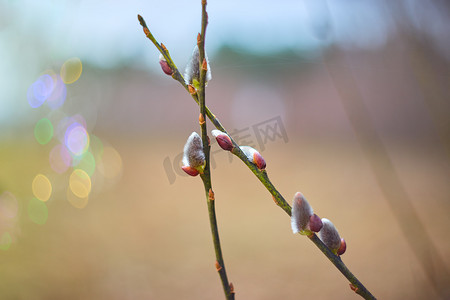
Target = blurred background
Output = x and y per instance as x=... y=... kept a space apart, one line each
x=348 y=102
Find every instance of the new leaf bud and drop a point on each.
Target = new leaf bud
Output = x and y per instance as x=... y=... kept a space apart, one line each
x=193 y=155
x=254 y=156
x=222 y=139
x=330 y=236
x=164 y=65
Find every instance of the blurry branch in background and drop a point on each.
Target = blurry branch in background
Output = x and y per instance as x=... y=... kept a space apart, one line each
x=302 y=218
x=386 y=176
x=424 y=66
x=434 y=98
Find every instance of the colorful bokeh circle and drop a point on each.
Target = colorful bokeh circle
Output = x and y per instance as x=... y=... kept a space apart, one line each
x=42 y=188
x=71 y=70
x=43 y=131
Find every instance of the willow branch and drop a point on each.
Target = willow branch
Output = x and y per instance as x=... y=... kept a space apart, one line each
x=198 y=97
x=206 y=176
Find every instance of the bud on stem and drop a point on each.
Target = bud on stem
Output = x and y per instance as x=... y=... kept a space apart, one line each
x=164 y=65
x=330 y=236
x=192 y=71
x=254 y=157
x=222 y=139
x=193 y=155
x=303 y=219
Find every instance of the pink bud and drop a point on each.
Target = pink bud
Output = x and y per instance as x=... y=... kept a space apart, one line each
x=190 y=171
x=330 y=236
x=164 y=65
x=259 y=160
x=222 y=139
x=254 y=156
x=315 y=223
x=342 y=248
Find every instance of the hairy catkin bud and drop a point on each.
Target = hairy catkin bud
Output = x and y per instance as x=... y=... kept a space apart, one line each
x=192 y=71
x=254 y=156
x=303 y=219
x=222 y=139
x=193 y=155
x=330 y=236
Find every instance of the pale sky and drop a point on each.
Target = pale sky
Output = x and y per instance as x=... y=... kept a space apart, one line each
x=35 y=35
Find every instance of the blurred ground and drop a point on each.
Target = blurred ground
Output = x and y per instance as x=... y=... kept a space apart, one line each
x=147 y=239
x=144 y=234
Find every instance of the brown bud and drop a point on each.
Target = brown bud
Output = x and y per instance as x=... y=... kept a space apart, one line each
x=164 y=47
x=199 y=38
x=211 y=195
x=201 y=119
x=204 y=65
x=315 y=223
x=218 y=266
x=192 y=90
x=231 y=288
x=275 y=200
x=146 y=31
x=342 y=248
x=354 y=288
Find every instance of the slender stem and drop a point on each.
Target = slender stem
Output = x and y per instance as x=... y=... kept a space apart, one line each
x=206 y=176
x=198 y=97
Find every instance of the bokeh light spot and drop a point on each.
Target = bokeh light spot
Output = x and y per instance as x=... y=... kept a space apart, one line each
x=60 y=159
x=40 y=90
x=76 y=139
x=71 y=70
x=110 y=165
x=37 y=211
x=87 y=163
x=42 y=188
x=59 y=94
x=43 y=131
x=80 y=183
x=5 y=241
x=8 y=205
x=76 y=201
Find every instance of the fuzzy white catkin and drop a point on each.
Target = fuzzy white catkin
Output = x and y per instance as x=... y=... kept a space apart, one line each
x=193 y=154
x=301 y=212
x=248 y=151
x=329 y=235
x=216 y=133
x=192 y=70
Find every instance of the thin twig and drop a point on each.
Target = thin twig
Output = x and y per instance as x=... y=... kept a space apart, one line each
x=356 y=285
x=206 y=176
